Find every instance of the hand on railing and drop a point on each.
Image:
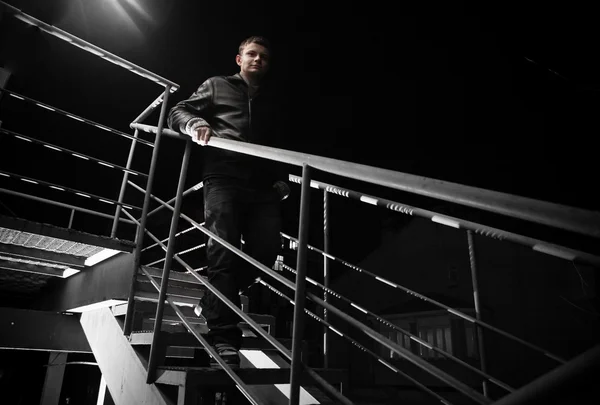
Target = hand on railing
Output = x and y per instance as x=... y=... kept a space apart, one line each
x=201 y=135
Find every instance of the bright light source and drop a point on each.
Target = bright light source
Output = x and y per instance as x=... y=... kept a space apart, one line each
x=100 y=256
x=97 y=305
x=69 y=272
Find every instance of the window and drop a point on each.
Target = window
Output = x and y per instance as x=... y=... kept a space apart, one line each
x=438 y=328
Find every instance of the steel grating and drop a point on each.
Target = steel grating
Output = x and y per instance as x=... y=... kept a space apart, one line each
x=49 y=244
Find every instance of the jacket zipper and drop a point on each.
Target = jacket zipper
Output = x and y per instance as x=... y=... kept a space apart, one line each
x=250 y=115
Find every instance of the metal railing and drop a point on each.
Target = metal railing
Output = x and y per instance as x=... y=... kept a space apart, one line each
x=557 y=216
x=584 y=222
x=127 y=170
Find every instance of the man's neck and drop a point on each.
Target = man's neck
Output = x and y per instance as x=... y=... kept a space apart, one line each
x=251 y=81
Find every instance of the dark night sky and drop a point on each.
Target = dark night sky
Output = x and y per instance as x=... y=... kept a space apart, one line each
x=443 y=91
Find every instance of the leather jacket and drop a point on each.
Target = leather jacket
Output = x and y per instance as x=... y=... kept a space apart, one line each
x=224 y=104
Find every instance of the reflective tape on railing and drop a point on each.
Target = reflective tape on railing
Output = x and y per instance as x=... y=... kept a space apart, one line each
x=178 y=254
x=407 y=333
x=434 y=371
x=535 y=244
x=585 y=222
x=63 y=205
x=75 y=117
x=355 y=343
x=66 y=189
x=72 y=153
x=431 y=301
x=176 y=235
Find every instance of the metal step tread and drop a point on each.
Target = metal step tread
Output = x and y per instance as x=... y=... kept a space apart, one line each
x=204 y=376
x=173 y=276
x=186 y=339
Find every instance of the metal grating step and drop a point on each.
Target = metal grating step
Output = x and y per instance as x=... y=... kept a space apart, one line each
x=48 y=250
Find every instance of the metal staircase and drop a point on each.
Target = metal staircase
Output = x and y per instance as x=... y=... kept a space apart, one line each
x=148 y=341
x=183 y=374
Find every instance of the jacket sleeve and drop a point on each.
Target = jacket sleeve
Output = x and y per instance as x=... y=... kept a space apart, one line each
x=194 y=112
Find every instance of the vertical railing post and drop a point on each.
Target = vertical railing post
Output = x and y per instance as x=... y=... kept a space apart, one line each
x=139 y=240
x=326 y=264
x=300 y=297
x=71 y=219
x=478 y=329
x=164 y=283
x=115 y=224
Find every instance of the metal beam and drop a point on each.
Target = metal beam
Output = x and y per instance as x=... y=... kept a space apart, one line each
x=43 y=255
x=119 y=363
x=37 y=228
x=31 y=268
x=54 y=378
x=26 y=329
x=104 y=281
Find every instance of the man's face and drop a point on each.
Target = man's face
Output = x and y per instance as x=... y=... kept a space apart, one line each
x=254 y=60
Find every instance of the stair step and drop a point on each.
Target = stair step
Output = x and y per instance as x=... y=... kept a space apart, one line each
x=174 y=319
x=148 y=309
x=207 y=376
x=173 y=291
x=149 y=296
x=174 y=276
x=187 y=340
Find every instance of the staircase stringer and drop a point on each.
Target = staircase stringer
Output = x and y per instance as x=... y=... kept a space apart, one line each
x=120 y=365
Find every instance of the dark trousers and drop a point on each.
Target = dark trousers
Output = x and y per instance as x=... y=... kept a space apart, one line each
x=233 y=210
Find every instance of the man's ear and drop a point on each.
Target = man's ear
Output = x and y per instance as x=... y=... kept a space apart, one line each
x=238 y=60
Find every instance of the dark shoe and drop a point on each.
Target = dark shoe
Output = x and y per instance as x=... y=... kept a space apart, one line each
x=228 y=353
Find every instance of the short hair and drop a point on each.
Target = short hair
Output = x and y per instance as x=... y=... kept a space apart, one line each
x=254 y=40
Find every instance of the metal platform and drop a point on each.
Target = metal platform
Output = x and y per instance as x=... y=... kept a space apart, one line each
x=52 y=251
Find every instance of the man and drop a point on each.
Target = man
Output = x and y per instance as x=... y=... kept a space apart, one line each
x=242 y=193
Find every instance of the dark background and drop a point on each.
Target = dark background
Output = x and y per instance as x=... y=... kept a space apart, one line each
x=503 y=98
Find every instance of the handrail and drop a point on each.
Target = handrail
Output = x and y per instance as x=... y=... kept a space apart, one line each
x=149 y=109
x=536 y=244
x=412 y=358
x=91 y=48
x=73 y=153
x=450 y=310
x=63 y=205
x=543 y=389
x=564 y=217
x=58 y=187
x=355 y=343
x=75 y=117
x=414 y=337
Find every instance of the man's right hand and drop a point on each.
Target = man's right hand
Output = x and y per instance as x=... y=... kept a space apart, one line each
x=202 y=135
